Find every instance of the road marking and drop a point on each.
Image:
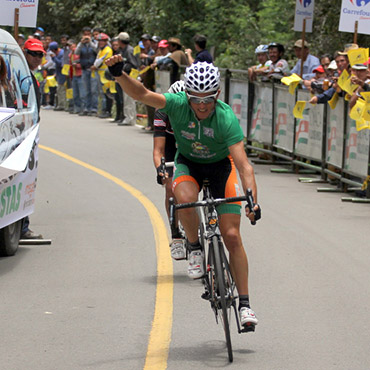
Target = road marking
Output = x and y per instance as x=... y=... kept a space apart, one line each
x=160 y=335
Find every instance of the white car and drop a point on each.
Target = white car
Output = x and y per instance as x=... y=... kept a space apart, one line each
x=18 y=143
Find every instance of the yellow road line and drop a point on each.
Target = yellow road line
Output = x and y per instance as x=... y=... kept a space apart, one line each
x=160 y=335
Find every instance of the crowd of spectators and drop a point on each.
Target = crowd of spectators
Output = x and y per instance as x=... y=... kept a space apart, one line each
x=73 y=75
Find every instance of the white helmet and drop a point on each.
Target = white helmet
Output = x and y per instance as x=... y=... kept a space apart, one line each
x=177 y=87
x=202 y=77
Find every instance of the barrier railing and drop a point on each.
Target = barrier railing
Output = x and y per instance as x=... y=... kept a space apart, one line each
x=325 y=141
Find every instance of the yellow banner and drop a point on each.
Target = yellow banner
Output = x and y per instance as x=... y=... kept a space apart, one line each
x=358 y=56
x=137 y=50
x=333 y=101
x=65 y=69
x=298 y=109
x=134 y=73
x=342 y=79
x=349 y=87
x=46 y=88
x=69 y=94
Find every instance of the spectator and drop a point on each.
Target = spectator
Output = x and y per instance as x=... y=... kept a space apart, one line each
x=154 y=41
x=316 y=84
x=202 y=55
x=278 y=67
x=104 y=52
x=325 y=62
x=361 y=78
x=21 y=39
x=163 y=60
x=179 y=58
x=40 y=31
x=36 y=35
x=87 y=50
x=118 y=96
x=64 y=42
x=310 y=62
x=332 y=70
x=130 y=62
x=263 y=63
x=58 y=56
x=77 y=82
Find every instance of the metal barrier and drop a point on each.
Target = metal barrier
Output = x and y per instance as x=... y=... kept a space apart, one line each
x=325 y=141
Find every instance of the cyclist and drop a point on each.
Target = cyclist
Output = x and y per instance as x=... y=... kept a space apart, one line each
x=209 y=141
x=164 y=145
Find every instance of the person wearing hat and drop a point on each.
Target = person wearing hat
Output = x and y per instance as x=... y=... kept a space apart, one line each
x=310 y=62
x=179 y=58
x=278 y=67
x=128 y=113
x=40 y=31
x=263 y=62
x=202 y=55
x=104 y=52
x=34 y=52
x=21 y=39
x=361 y=77
x=316 y=84
x=163 y=60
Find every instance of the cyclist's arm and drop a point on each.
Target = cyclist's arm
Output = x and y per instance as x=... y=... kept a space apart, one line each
x=159 y=144
x=136 y=89
x=244 y=168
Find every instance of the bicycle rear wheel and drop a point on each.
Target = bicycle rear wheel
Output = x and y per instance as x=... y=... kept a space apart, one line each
x=222 y=291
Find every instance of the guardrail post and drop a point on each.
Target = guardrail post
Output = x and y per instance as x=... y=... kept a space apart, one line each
x=227 y=86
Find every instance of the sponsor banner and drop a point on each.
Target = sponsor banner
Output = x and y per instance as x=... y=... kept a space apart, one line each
x=303 y=10
x=357 y=150
x=261 y=130
x=17 y=192
x=162 y=81
x=352 y=11
x=27 y=12
x=309 y=129
x=335 y=129
x=284 y=120
x=239 y=102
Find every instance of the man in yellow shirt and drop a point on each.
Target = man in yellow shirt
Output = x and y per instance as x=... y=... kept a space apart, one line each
x=104 y=52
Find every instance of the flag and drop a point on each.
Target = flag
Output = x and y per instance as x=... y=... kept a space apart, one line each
x=51 y=81
x=112 y=87
x=291 y=81
x=349 y=87
x=361 y=124
x=358 y=56
x=134 y=73
x=298 y=109
x=343 y=78
x=69 y=94
x=333 y=101
x=65 y=69
x=357 y=110
x=366 y=96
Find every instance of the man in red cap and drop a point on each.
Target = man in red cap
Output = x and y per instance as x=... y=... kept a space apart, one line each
x=33 y=52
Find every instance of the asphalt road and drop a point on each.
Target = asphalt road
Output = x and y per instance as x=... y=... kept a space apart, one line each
x=87 y=301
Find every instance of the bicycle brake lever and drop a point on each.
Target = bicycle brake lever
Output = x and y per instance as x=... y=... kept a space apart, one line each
x=251 y=204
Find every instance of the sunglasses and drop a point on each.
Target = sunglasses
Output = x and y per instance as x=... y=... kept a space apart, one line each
x=202 y=99
x=36 y=54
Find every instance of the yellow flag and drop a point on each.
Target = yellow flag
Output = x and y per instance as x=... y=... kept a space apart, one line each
x=103 y=80
x=46 y=88
x=134 y=73
x=358 y=56
x=52 y=82
x=366 y=112
x=112 y=87
x=65 y=69
x=343 y=78
x=366 y=96
x=357 y=110
x=333 y=101
x=349 y=87
x=69 y=94
x=361 y=124
x=293 y=86
x=93 y=74
x=137 y=50
x=298 y=109
x=144 y=70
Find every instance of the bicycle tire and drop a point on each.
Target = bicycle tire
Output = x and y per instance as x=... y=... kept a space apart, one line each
x=221 y=286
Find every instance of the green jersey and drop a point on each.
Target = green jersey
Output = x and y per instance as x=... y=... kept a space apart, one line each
x=205 y=141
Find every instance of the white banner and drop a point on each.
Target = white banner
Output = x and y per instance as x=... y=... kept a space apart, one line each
x=304 y=10
x=239 y=102
x=27 y=12
x=352 y=11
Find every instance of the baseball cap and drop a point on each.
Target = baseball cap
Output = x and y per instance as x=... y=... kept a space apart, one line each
x=163 y=44
x=333 y=65
x=298 y=44
x=155 y=38
x=123 y=36
x=348 y=47
x=360 y=67
x=34 y=45
x=141 y=45
x=319 y=69
x=40 y=29
x=145 y=36
x=53 y=45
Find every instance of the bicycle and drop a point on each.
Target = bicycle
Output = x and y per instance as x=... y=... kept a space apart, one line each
x=219 y=285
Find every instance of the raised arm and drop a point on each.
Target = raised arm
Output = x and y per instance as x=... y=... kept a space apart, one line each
x=133 y=87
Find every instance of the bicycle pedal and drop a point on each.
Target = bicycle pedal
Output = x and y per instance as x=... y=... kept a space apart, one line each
x=206 y=296
x=248 y=328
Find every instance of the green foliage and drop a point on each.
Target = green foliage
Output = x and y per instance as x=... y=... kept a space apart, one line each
x=234 y=28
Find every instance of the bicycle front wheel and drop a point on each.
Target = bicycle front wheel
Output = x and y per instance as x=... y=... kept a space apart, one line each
x=219 y=270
